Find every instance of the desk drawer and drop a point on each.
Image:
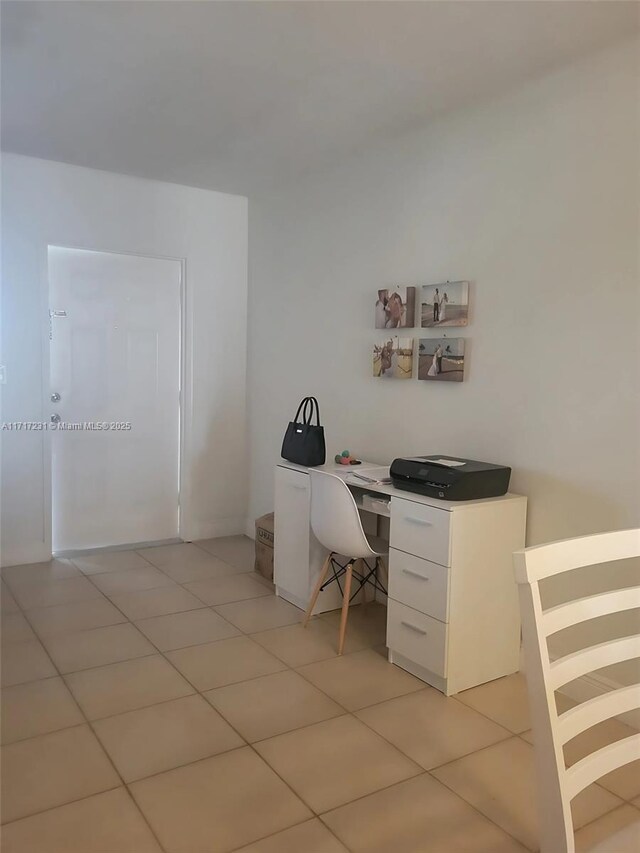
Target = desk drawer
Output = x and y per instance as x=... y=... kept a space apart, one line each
x=419 y=638
x=421 y=530
x=420 y=584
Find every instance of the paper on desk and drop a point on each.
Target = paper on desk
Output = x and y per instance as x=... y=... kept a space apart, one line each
x=451 y=463
x=375 y=476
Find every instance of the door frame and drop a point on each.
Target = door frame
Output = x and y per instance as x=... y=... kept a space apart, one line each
x=185 y=394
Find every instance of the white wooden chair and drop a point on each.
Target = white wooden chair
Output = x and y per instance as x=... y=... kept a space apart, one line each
x=558 y=785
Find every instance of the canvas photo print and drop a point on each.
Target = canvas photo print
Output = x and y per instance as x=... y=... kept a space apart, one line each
x=393 y=358
x=444 y=304
x=396 y=308
x=441 y=359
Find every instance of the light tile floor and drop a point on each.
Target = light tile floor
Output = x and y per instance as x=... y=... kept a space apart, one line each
x=165 y=700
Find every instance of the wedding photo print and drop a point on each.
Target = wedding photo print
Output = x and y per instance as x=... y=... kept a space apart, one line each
x=396 y=308
x=445 y=304
x=393 y=358
x=441 y=359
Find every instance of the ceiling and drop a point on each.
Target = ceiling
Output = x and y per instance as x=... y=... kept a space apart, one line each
x=238 y=96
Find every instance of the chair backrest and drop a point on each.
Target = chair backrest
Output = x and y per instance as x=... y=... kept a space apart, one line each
x=335 y=519
x=558 y=785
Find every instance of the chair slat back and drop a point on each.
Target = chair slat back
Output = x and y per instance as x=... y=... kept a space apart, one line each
x=572 y=666
x=556 y=618
x=597 y=710
x=599 y=763
x=557 y=785
x=543 y=561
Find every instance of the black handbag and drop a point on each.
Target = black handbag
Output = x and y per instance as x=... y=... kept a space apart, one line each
x=304 y=441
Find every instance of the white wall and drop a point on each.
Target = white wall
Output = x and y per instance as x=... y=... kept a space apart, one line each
x=52 y=203
x=534 y=198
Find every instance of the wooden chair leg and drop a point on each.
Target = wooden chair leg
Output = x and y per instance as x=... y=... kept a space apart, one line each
x=345 y=607
x=316 y=591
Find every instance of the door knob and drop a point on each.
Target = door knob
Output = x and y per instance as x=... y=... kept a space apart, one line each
x=55 y=419
x=55 y=397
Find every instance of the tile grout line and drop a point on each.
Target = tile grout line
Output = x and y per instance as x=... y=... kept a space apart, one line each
x=418 y=775
x=293 y=669
x=164 y=653
x=611 y=811
x=509 y=734
x=134 y=623
x=287 y=828
x=476 y=809
x=421 y=770
x=236 y=569
x=353 y=712
x=89 y=722
x=250 y=746
x=104 y=751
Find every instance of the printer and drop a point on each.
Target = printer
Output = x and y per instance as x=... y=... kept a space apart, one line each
x=449 y=477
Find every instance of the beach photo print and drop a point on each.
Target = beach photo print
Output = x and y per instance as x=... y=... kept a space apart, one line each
x=393 y=358
x=396 y=308
x=441 y=359
x=444 y=304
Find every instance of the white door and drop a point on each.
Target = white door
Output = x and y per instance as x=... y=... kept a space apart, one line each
x=115 y=366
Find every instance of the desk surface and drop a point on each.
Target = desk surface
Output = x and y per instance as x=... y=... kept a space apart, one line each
x=344 y=473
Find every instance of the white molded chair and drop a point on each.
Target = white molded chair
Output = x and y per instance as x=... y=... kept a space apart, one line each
x=337 y=525
x=557 y=784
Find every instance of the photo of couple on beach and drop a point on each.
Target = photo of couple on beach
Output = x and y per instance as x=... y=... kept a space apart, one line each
x=445 y=304
x=393 y=358
x=441 y=359
x=396 y=308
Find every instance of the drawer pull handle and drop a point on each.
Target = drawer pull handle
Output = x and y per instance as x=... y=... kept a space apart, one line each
x=419 y=521
x=415 y=574
x=413 y=628
x=299 y=488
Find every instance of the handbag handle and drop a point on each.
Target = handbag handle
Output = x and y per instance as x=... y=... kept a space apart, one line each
x=307 y=416
x=314 y=403
x=303 y=402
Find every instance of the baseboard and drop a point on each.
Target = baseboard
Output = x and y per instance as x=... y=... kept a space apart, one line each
x=215 y=528
x=21 y=555
x=109 y=549
x=37 y=552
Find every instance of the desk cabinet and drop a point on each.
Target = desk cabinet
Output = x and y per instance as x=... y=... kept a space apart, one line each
x=298 y=556
x=453 y=616
x=452 y=612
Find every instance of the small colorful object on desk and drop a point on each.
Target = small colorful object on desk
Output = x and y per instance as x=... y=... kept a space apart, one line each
x=345 y=458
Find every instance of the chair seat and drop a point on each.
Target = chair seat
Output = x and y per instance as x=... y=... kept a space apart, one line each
x=380 y=548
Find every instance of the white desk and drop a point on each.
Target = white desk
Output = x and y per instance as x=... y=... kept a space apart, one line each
x=453 y=615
